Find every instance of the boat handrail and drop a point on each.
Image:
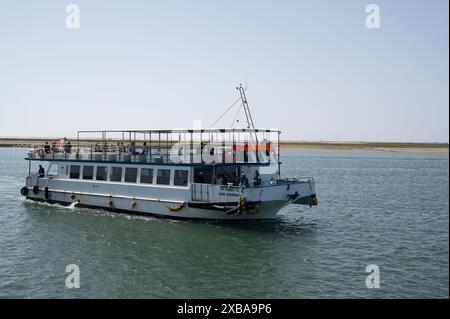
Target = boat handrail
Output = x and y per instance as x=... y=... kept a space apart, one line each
x=142 y=154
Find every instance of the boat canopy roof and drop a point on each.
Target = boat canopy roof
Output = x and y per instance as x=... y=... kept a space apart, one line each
x=230 y=135
x=165 y=131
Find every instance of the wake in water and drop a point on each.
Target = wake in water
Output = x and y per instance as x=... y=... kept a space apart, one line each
x=83 y=210
x=73 y=205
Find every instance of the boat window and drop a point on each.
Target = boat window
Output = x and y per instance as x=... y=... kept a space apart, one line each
x=163 y=177
x=147 y=175
x=227 y=174
x=75 y=171
x=88 y=172
x=52 y=170
x=203 y=175
x=130 y=175
x=180 y=178
x=102 y=173
x=116 y=174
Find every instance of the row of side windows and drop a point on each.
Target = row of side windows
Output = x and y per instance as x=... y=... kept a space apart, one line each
x=163 y=176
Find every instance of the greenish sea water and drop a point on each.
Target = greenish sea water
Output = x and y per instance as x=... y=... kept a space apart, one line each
x=388 y=209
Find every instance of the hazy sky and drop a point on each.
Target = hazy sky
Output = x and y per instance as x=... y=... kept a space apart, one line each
x=315 y=71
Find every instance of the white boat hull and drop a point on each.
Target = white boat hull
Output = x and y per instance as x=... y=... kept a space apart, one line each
x=215 y=202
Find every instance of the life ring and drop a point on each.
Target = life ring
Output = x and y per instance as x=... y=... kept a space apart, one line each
x=24 y=191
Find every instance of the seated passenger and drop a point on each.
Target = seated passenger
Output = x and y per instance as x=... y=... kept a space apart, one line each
x=219 y=180
x=41 y=172
x=256 y=179
x=224 y=179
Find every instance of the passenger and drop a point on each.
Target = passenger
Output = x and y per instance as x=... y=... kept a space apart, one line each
x=68 y=147
x=219 y=180
x=47 y=148
x=224 y=179
x=41 y=172
x=132 y=148
x=145 y=149
x=122 y=148
x=244 y=181
x=256 y=179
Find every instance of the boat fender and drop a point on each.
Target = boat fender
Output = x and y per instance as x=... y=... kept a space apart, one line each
x=35 y=189
x=72 y=197
x=110 y=202
x=24 y=191
x=46 y=193
x=176 y=208
x=133 y=204
x=314 y=200
x=254 y=210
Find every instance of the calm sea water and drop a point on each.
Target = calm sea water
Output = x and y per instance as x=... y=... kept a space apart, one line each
x=388 y=209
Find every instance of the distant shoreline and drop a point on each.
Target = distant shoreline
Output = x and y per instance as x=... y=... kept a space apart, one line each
x=288 y=145
x=365 y=146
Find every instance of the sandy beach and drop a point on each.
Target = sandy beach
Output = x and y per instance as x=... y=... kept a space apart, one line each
x=285 y=145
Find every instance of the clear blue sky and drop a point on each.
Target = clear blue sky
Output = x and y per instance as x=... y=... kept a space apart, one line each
x=314 y=70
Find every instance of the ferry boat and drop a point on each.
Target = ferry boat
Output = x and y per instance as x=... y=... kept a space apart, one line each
x=217 y=174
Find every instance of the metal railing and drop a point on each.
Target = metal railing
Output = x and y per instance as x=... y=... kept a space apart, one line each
x=142 y=154
x=99 y=153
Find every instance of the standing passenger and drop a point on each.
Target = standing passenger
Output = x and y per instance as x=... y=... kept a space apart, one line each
x=47 y=148
x=146 y=149
x=244 y=181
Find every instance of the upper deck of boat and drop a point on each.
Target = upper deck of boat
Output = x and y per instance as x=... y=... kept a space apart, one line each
x=193 y=147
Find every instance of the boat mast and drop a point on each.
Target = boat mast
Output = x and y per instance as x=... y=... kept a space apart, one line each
x=248 y=115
